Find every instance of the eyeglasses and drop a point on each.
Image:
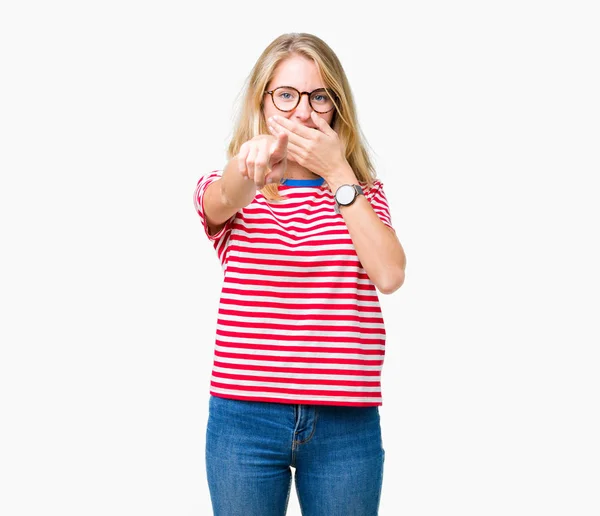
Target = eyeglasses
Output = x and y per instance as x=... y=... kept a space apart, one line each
x=286 y=98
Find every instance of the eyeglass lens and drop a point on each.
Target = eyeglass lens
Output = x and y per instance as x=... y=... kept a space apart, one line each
x=286 y=98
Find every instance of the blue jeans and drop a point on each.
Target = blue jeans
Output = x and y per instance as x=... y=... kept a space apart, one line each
x=251 y=447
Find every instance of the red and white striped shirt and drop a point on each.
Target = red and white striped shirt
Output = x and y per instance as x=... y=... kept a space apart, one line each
x=299 y=320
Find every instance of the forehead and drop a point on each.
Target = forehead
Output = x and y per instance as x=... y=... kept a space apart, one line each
x=297 y=71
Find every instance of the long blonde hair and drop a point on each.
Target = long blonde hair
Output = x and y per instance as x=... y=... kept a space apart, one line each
x=251 y=122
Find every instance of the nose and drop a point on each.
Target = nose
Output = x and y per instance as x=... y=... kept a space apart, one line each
x=303 y=110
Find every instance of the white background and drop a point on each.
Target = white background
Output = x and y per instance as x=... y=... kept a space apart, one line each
x=484 y=122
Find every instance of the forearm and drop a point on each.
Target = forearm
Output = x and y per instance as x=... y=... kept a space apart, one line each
x=237 y=191
x=377 y=246
x=226 y=196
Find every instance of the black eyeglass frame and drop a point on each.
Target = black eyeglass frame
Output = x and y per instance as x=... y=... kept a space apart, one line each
x=309 y=93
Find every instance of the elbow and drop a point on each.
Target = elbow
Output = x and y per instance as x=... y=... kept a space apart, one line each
x=391 y=283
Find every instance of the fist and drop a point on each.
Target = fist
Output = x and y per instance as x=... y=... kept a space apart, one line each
x=263 y=159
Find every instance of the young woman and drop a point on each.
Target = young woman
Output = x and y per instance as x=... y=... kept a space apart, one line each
x=303 y=231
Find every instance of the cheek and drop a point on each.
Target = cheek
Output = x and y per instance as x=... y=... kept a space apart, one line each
x=269 y=110
x=328 y=117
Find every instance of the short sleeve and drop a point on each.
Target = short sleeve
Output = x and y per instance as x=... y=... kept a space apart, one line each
x=220 y=238
x=376 y=196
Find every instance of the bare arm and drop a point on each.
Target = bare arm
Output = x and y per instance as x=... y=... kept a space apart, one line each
x=261 y=159
x=226 y=196
x=377 y=246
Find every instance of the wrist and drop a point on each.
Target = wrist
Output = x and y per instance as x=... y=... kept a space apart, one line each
x=342 y=176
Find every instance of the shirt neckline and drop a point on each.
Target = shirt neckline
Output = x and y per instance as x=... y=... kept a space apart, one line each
x=303 y=182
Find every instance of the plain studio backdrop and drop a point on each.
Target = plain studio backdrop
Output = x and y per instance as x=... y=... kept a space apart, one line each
x=483 y=120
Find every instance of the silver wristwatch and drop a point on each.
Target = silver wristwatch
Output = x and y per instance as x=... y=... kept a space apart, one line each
x=346 y=195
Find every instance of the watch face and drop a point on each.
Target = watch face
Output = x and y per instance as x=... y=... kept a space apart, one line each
x=345 y=194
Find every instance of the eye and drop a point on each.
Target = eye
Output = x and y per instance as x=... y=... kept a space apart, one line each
x=320 y=97
x=286 y=95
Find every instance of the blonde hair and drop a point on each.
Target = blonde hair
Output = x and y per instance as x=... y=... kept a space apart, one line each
x=251 y=122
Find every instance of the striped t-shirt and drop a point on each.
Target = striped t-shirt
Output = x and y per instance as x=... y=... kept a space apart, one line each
x=299 y=320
